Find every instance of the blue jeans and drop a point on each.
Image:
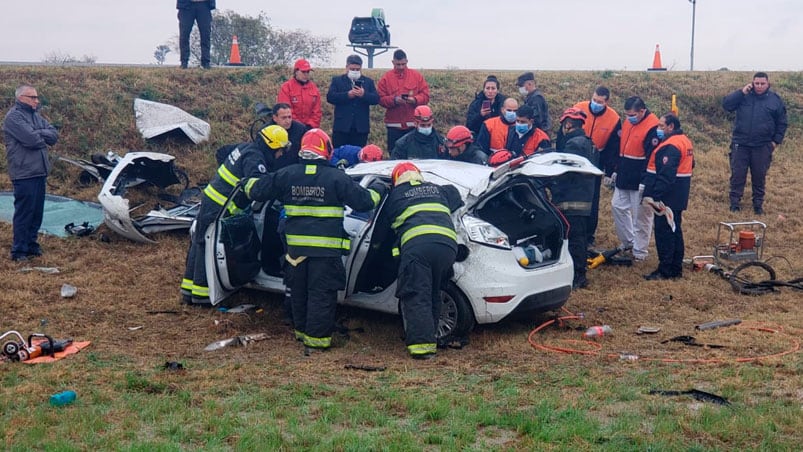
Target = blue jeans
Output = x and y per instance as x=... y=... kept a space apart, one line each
x=29 y=207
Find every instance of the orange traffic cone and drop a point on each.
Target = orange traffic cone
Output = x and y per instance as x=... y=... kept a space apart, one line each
x=656 y=60
x=234 y=59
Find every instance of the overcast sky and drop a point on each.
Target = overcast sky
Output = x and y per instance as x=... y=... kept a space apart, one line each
x=469 y=34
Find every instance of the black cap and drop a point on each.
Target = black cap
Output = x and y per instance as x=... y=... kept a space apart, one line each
x=353 y=59
x=525 y=77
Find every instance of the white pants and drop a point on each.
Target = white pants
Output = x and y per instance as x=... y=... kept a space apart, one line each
x=633 y=222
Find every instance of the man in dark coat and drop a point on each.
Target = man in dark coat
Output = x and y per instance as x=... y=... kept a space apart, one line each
x=189 y=13
x=352 y=95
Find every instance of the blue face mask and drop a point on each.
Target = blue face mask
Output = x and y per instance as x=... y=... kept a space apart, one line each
x=425 y=130
x=510 y=116
x=632 y=119
x=661 y=134
x=522 y=128
x=595 y=107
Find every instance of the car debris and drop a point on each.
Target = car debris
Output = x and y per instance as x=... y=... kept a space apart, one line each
x=45 y=270
x=717 y=324
x=236 y=340
x=68 y=291
x=155 y=119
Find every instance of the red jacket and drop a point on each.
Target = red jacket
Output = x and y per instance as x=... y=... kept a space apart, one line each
x=305 y=101
x=393 y=84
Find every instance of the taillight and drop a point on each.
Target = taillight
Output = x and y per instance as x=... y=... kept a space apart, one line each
x=498 y=299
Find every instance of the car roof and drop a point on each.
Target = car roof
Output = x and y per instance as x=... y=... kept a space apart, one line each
x=467 y=177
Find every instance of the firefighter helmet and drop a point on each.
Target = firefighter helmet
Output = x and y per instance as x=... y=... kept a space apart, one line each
x=458 y=135
x=500 y=157
x=275 y=137
x=370 y=153
x=317 y=142
x=573 y=113
x=422 y=113
x=402 y=168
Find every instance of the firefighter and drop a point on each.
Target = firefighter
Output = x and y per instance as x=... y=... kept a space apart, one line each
x=420 y=214
x=245 y=161
x=314 y=194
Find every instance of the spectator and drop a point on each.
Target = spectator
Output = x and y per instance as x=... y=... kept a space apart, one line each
x=27 y=136
x=674 y=161
x=422 y=143
x=191 y=12
x=352 y=95
x=487 y=104
x=493 y=132
x=632 y=221
x=525 y=137
x=302 y=94
x=759 y=128
x=460 y=146
x=400 y=91
x=282 y=115
x=534 y=98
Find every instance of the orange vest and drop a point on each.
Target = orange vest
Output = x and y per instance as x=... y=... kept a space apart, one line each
x=686 y=149
x=633 y=136
x=531 y=146
x=598 y=128
x=497 y=130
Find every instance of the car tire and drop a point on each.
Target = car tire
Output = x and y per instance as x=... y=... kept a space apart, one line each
x=457 y=318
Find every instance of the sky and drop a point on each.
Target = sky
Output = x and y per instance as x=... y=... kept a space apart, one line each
x=745 y=35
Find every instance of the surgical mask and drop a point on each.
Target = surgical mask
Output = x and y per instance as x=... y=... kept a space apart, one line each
x=523 y=91
x=522 y=128
x=354 y=75
x=510 y=116
x=425 y=130
x=661 y=134
x=632 y=119
x=595 y=107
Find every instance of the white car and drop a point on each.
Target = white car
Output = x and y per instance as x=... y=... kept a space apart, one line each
x=513 y=253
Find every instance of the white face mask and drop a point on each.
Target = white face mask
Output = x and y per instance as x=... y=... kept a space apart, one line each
x=523 y=91
x=354 y=75
x=425 y=130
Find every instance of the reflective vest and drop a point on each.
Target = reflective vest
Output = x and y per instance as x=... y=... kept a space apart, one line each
x=245 y=161
x=599 y=127
x=633 y=136
x=497 y=130
x=683 y=144
x=421 y=210
x=535 y=139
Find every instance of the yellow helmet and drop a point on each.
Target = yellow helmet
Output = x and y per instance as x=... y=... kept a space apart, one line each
x=275 y=137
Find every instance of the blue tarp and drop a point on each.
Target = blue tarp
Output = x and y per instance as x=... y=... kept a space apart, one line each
x=59 y=212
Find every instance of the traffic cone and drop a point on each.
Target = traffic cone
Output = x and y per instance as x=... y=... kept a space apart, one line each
x=234 y=59
x=656 y=60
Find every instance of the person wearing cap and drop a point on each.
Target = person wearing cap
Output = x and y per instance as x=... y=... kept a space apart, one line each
x=314 y=194
x=302 y=94
x=573 y=193
x=670 y=186
x=251 y=160
x=349 y=155
x=401 y=90
x=533 y=97
x=352 y=95
x=420 y=215
x=191 y=12
x=460 y=146
x=487 y=104
x=282 y=115
x=424 y=142
x=493 y=132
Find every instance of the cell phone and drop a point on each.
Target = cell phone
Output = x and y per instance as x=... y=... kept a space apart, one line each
x=358 y=83
x=486 y=105
x=405 y=96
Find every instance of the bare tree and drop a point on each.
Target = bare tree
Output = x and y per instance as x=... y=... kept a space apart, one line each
x=60 y=57
x=160 y=53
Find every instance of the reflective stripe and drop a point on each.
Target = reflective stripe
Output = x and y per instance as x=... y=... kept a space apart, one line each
x=227 y=175
x=310 y=169
x=375 y=197
x=424 y=207
x=186 y=284
x=200 y=291
x=318 y=241
x=317 y=342
x=574 y=205
x=299 y=335
x=395 y=252
x=631 y=157
x=422 y=349
x=249 y=185
x=314 y=211
x=427 y=229
x=218 y=197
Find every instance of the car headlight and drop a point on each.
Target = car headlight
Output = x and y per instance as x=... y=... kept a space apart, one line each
x=480 y=231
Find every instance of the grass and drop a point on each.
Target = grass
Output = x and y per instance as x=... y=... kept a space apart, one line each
x=496 y=394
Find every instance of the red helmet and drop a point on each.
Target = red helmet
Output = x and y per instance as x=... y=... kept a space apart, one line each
x=573 y=113
x=370 y=153
x=318 y=142
x=422 y=113
x=500 y=157
x=402 y=168
x=458 y=135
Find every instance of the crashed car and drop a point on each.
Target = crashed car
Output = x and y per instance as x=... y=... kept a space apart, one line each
x=513 y=253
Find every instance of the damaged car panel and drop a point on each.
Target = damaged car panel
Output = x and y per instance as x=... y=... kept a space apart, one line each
x=506 y=215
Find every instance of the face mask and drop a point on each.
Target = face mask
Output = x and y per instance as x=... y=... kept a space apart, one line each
x=595 y=107
x=354 y=75
x=523 y=91
x=632 y=119
x=425 y=130
x=522 y=128
x=510 y=116
x=661 y=134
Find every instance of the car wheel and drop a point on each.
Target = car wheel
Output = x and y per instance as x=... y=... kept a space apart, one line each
x=457 y=318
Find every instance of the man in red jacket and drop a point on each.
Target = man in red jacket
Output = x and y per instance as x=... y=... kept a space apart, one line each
x=303 y=96
x=400 y=91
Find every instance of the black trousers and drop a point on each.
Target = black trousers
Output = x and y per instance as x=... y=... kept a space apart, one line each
x=755 y=159
x=593 y=220
x=198 y=12
x=578 y=245
x=669 y=245
x=195 y=281
x=423 y=269
x=352 y=137
x=29 y=208
x=314 y=284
